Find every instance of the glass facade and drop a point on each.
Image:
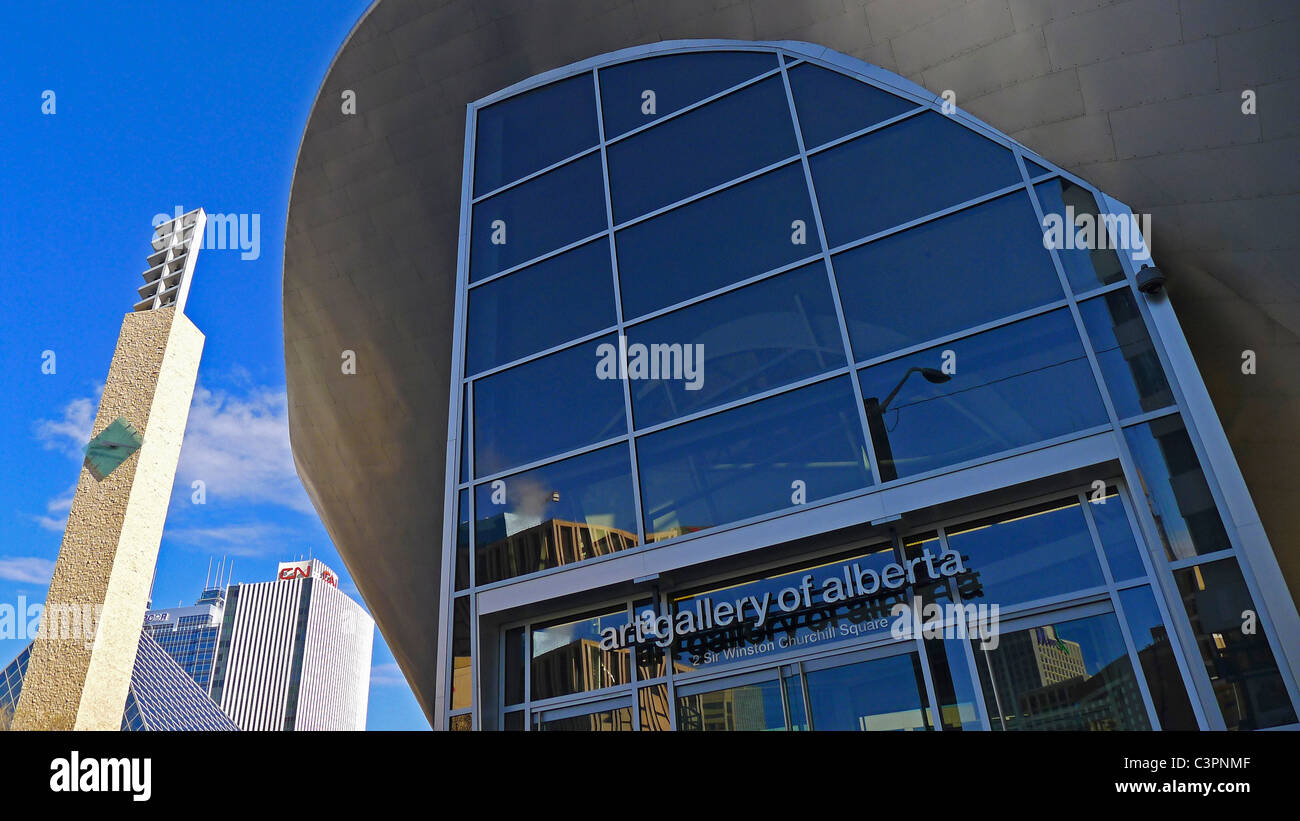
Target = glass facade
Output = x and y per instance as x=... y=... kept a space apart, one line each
x=730 y=286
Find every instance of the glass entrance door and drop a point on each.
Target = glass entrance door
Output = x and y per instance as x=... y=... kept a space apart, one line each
x=885 y=693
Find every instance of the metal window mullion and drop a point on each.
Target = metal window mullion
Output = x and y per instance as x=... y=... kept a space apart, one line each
x=542 y=354
x=618 y=314
x=830 y=275
x=752 y=81
x=555 y=252
x=981 y=711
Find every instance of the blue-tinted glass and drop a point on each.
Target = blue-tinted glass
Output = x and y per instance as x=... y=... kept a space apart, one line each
x=1072 y=675
x=1034 y=169
x=554 y=515
x=946 y=275
x=462 y=540
x=676 y=80
x=915 y=167
x=953 y=686
x=831 y=104
x=1079 y=238
x=538 y=216
x=725 y=139
x=464 y=435
x=528 y=132
x=1156 y=657
x=747 y=461
x=794 y=703
x=567 y=658
x=762 y=336
x=1116 y=536
x=1241 y=665
x=1013 y=386
x=1175 y=488
x=713 y=242
x=538 y=307
x=748 y=707
x=545 y=407
x=1128 y=359
x=1028 y=554
x=884 y=694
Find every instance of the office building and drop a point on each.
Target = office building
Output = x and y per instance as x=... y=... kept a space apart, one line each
x=693 y=341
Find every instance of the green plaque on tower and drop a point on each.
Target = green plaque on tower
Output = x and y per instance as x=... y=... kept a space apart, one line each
x=112 y=447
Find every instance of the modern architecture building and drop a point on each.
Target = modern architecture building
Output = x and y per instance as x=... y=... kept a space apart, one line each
x=161 y=696
x=808 y=365
x=293 y=654
x=190 y=634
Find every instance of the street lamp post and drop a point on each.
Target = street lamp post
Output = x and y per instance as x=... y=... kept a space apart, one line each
x=876 y=420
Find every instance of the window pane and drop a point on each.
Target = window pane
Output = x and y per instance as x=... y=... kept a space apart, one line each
x=562 y=298
x=1087 y=263
x=1175 y=488
x=760 y=337
x=530 y=131
x=1128 y=359
x=749 y=707
x=1027 y=554
x=567 y=657
x=1116 y=536
x=885 y=694
x=653 y=703
x=1073 y=675
x=515 y=721
x=953 y=686
x=462 y=665
x=912 y=168
x=943 y=276
x=538 y=216
x=1242 y=669
x=725 y=139
x=831 y=104
x=1156 y=656
x=747 y=461
x=677 y=80
x=606 y=721
x=794 y=703
x=554 y=515
x=514 y=666
x=464 y=434
x=724 y=238
x=1013 y=385
x=545 y=407
x=462 y=540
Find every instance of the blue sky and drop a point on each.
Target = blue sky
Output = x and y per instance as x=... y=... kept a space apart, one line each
x=157 y=106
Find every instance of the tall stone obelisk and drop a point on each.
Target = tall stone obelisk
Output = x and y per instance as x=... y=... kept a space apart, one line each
x=82 y=658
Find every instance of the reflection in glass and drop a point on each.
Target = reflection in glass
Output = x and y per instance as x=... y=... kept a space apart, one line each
x=537 y=217
x=567 y=657
x=462 y=665
x=907 y=170
x=751 y=460
x=971 y=267
x=604 y=721
x=1127 y=358
x=1089 y=262
x=737 y=233
x=725 y=139
x=515 y=659
x=677 y=80
x=546 y=407
x=539 y=307
x=1027 y=554
x=1242 y=669
x=819 y=622
x=1156 y=657
x=831 y=104
x=762 y=336
x=1073 y=675
x=530 y=131
x=1175 y=488
x=514 y=721
x=462 y=540
x=1116 y=536
x=884 y=694
x=748 y=707
x=653 y=703
x=953 y=687
x=1013 y=386
x=794 y=703
x=554 y=515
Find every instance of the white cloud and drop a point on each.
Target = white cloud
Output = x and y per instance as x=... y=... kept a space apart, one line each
x=56 y=518
x=26 y=569
x=239 y=448
x=387 y=675
x=71 y=432
x=253 y=540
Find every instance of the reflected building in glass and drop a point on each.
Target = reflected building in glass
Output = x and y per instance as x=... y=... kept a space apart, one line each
x=756 y=350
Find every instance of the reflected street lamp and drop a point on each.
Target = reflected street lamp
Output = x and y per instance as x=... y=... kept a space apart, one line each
x=876 y=420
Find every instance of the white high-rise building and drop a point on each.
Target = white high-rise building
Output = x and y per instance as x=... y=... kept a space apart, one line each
x=294 y=653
